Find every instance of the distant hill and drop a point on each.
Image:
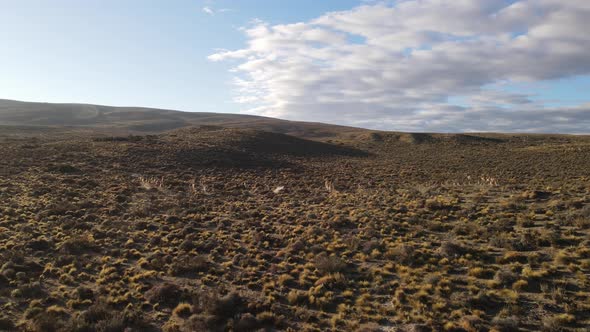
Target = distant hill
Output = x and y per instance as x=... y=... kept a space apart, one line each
x=19 y=119
x=104 y=119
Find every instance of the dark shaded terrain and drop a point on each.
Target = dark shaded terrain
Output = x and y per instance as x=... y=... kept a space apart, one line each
x=218 y=229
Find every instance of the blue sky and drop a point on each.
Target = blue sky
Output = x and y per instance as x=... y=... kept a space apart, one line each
x=131 y=52
x=409 y=65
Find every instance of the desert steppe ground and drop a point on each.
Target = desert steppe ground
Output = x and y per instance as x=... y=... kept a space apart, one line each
x=212 y=229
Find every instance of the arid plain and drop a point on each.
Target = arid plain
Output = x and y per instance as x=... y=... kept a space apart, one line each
x=246 y=228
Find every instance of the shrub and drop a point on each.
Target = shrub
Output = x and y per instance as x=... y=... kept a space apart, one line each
x=102 y=318
x=39 y=244
x=268 y=318
x=369 y=327
x=505 y=277
x=582 y=223
x=506 y=324
x=79 y=245
x=562 y=257
x=416 y=328
x=200 y=323
x=64 y=168
x=477 y=272
x=44 y=322
x=84 y=293
x=247 y=323
x=332 y=281
x=450 y=249
x=403 y=254
x=186 y=265
x=441 y=203
x=525 y=242
x=376 y=137
x=221 y=307
x=31 y=290
x=165 y=294
x=556 y=323
x=329 y=264
x=296 y=297
x=471 y=323
x=183 y=310
x=520 y=285
x=59 y=208
x=285 y=279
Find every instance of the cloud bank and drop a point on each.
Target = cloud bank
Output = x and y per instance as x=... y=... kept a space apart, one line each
x=419 y=65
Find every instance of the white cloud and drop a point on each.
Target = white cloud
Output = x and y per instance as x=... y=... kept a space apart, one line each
x=400 y=66
x=212 y=11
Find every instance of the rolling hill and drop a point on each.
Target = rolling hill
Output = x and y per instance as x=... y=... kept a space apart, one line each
x=47 y=116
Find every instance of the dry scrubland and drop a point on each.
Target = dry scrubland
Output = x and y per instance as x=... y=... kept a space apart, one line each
x=191 y=231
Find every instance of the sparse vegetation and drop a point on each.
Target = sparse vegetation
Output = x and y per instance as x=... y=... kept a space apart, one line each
x=186 y=231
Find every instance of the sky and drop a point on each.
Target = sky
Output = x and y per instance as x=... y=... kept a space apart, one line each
x=409 y=65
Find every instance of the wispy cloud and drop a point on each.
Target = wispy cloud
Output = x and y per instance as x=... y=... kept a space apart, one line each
x=403 y=65
x=212 y=11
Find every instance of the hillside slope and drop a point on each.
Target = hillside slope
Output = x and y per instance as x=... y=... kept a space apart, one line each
x=148 y=120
